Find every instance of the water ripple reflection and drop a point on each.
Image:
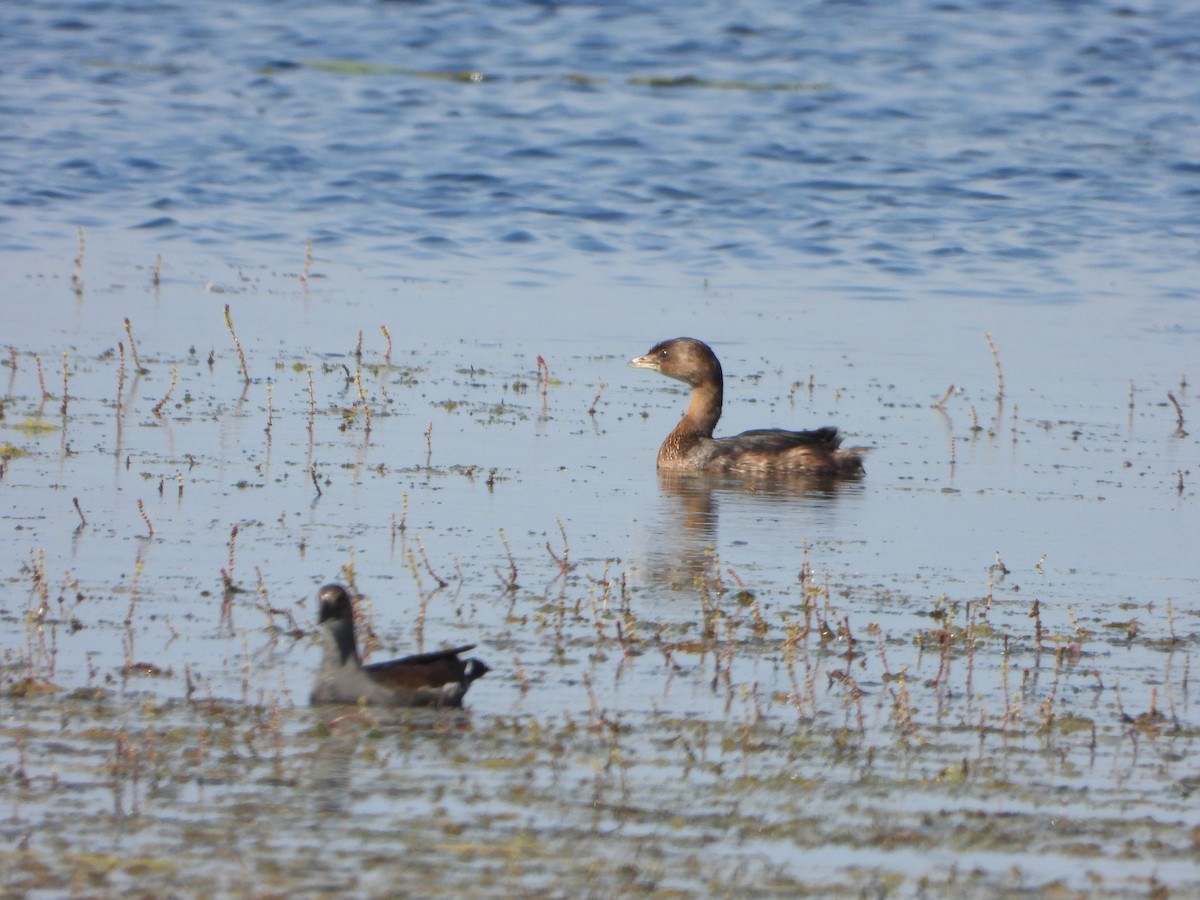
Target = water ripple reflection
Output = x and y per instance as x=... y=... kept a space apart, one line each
x=627 y=128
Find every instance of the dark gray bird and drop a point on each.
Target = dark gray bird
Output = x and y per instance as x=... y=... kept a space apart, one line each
x=438 y=679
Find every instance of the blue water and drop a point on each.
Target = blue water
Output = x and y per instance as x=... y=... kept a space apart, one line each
x=979 y=146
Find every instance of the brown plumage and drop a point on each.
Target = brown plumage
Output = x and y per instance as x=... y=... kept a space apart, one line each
x=691 y=447
x=439 y=678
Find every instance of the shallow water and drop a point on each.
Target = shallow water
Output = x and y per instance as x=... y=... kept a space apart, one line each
x=969 y=672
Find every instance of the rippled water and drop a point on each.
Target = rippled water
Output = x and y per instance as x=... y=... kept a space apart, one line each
x=865 y=208
x=921 y=140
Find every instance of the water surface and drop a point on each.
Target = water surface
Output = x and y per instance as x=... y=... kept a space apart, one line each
x=967 y=672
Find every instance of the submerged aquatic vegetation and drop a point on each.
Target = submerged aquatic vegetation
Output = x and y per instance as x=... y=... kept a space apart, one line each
x=471 y=76
x=34 y=427
x=684 y=708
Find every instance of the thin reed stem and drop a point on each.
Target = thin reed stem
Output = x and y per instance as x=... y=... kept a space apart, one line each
x=237 y=343
x=145 y=517
x=999 y=369
x=77 y=275
x=65 y=374
x=1179 y=432
x=138 y=368
x=158 y=407
x=46 y=395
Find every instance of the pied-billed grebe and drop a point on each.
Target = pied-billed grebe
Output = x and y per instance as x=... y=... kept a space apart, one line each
x=691 y=447
x=439 y=678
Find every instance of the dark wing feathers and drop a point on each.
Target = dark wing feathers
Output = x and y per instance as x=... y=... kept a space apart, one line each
x=418 y=659
x=777 y=440
x=422 y=669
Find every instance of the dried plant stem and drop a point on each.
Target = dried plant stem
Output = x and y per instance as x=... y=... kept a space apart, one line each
x=76 y=276
x=1009 y=712
x=508 y=581
x=429 y=445
x=270 y=411
x=120 y=394
x=156 y=275
x=145 y=517
x=233 y=533
x=65 y=373
x=1179 y=432
x=1171 y=623
x=46 y=395
x=130 y=664
x=543 y=378
x=970 y=636
x=387 y=354
x=312 y=404
x=945 y=639
x=79 y=509
x=227 y=588
x=35 y=618
x=519 y=674
x=941 y=404
x=308 y=261
x=1047 y=708
x=593 y=707
x=362 y=397
x=264 y=604
x=999 y=369
x=902 y=713
x=441 y=582
x=423 y=604
x=236 y=343
x=564 y=561
x=596 y=399
x=137 y=362
x=158 y=407
x=120 y=378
